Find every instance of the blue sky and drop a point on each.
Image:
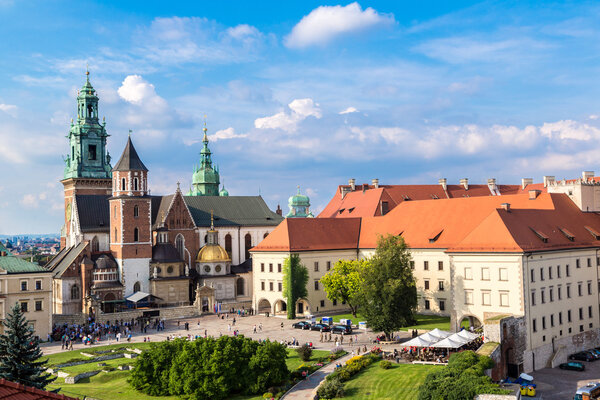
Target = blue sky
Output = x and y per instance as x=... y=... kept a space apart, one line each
x=299 y=93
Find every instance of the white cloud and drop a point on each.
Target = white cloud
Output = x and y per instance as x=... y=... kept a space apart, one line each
x=300 y=109
x=30 y=200
x=593 y=117
x=135 y=89
x=224 y=134
x=326 y=23
x=569 y=129
x=243 y=31
x=349 y=110
x=9 y=109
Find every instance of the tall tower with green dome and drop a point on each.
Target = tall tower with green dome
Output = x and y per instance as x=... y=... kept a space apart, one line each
x=206 y=180
x=299 y=206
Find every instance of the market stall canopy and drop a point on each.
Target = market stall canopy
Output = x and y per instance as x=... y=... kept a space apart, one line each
x=427 y=339
x=456 y=340
x=139 y=296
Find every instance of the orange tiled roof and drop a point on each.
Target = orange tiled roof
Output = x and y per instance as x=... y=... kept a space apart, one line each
x=474 y=224
x=16 y=391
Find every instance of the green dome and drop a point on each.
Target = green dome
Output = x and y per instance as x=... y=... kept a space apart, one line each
x=299 y=206
x=223 y=192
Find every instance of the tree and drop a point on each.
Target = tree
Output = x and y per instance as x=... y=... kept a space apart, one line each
x=343 y=283
x=295 y=279
x=20 y=352
x=389 y=293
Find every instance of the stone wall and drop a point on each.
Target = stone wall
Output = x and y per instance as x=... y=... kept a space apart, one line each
x=69 y=319
x=557 y=351
x=511 y=333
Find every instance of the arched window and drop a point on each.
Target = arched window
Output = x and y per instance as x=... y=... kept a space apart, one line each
x=137 y=287
x=123 y=184
x=240 y=287
x=180 y=245
x=136 y=211
x=136 y=235
x=95 y=245
x=135 y=183
x=265 y=235
x=205 y=239
x=74 y=292
x=228 y=244
x=248 y=245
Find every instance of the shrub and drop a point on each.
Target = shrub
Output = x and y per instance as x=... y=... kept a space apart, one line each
x=331 y=389
x=304 y=352
x=268 y=395
x=385 y=364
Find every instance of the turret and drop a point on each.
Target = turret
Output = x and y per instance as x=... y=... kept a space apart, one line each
x=205 y=180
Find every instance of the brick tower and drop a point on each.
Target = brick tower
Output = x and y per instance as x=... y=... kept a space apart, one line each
x=131 y=221
x=87 y=166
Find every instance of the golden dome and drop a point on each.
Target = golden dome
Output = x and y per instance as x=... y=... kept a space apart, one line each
x=212 y=253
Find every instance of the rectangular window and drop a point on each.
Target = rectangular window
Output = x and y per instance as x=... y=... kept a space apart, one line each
x=279 y=286
x=532 y=276
x=441 y=286
x=533 y=298
x=541 y=274
x=577 y=263
x=440 y=265
x=322 y=303
x=543 y=296
x=589 y=285
x=560 y=318
x=468 y=273
x=24 y=307
x=271 y=286
x=334 y=302
x=552 y=320
x=559 y=293
x=38 y=305
x=426 y=283
x=92 y=152
x=568 y=291
x=270 y=267
x=503 y=274
x=551 y=293
x=589 y=262
x=316 y=266
x=328 y=265
x=23 y=286
x=534 y=323
x=262 y=286
x=558 y=271
x=262 y=267
x=550 y=272
x=580 y=313
x=38 y=285
x=279 y=268
x=568 y=315
x=486 y=298
x=579 y=291
x=485 y=274
x=568 y=270
x=543 y=322
x=412 y=264
x=469 y=296
x=504 y=299
x=442 y=305
x=316 y=285
x=427 y=305
x=589 y=311
x=426 y=265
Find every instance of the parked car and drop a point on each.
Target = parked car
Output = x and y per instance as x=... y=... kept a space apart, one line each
x=582 y=356
x=574 y=366
x=595 y=356
x=343 y=329
x=301 y=325
x=320 y=327
x=595 y=352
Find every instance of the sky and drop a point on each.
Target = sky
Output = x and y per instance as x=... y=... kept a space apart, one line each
x=299 y=93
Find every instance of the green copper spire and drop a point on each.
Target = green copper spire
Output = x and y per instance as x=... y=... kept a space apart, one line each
x=88 y=156
x=205 y=180
x=299 y=206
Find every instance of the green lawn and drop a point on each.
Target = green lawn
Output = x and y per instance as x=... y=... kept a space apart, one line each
x=428 y=322
x=113 y=385
x=401 y=381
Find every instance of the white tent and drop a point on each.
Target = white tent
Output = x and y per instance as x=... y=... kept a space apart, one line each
x=418 y=342
x=456 y=340
x=427 y=339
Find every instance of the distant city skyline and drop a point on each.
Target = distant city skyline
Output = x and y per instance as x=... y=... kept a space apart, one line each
x=299 y=93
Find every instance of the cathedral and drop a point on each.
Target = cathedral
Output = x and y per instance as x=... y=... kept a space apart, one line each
x=121 y=245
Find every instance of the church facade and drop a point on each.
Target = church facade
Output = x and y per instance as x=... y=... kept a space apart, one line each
x=118 y=239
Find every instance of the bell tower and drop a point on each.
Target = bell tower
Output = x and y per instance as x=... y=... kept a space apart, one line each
x=87 y=164
x=131 y=221
x=205 y=180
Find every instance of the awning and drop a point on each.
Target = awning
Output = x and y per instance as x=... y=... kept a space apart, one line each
x=428 y=338
x=139 y=296
x=456 y=340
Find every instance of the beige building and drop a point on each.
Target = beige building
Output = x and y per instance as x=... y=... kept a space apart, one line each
x=532 y=255
x=30 y=286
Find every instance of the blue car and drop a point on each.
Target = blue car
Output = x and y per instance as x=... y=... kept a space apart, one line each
x=573 y=366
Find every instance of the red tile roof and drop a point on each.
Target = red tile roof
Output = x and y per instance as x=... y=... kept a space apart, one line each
x=16 y=391
x=473 y=224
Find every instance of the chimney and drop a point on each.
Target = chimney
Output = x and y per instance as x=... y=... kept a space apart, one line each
x=492 y=186
x=525 y=182
x=279 y=211
x=548 y=180
x=465 y=183
x=375 y=183
x=533 y=194
x=505 y=206
x=352 y=183
x=587 y=175
x=443 y=182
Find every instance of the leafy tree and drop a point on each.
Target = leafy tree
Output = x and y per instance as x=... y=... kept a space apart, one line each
x=389 y=293
x=20 y=352
x=463 y=378
x=295 y=278
x=268 y=363
x=304 y=352
x=343 y=282
x=152 y=367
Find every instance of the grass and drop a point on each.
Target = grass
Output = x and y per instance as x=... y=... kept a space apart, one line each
x=426 y=322
x=401 y=381
x=113 y=385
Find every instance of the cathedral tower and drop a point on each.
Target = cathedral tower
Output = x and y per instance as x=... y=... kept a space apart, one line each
x=131 y=221
x=87 y=166
x=205 y=181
